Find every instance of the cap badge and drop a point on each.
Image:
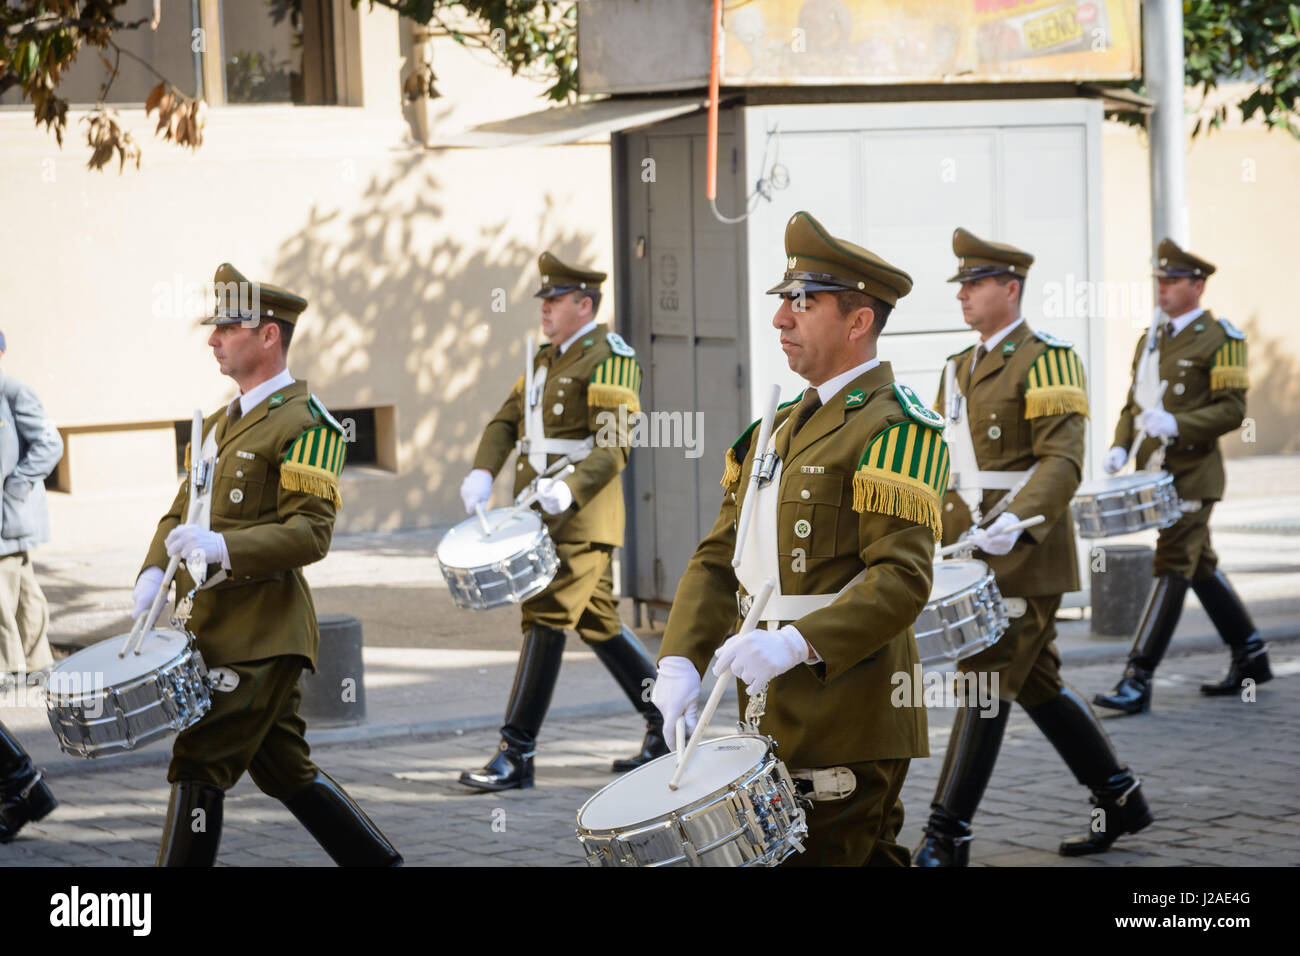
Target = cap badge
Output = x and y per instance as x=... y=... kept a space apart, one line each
x=791 y=262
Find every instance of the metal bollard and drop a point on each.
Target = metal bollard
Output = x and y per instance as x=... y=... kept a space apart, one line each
x=1121 y=584
x=335 y=696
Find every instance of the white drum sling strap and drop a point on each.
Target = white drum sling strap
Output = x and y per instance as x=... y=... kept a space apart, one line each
x=760 y=554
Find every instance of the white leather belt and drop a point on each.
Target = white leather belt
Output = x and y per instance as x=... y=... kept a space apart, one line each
x=791 y=607
x=989 y=480
x=576 y=449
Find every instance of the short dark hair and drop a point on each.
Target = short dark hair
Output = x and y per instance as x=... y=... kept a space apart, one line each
x=286 y=335
x=850 y=300
x=1006 y=277
x=592 y=294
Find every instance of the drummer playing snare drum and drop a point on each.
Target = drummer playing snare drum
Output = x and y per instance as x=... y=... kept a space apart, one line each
x=847 y=526
x=1203 y=362
x=584 y=377
x=274 y=495
x=1016 y=404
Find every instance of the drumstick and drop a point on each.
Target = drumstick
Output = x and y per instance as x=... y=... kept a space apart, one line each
x=145 y=622
x=747 y=509
x=482 y=519
x=715 y=698
x=681 y=738
x=1142 y=432
x=964 y=544
x=533 y=495
x=558 y=465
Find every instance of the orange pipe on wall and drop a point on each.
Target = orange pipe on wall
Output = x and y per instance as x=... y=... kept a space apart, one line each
x=714 y=67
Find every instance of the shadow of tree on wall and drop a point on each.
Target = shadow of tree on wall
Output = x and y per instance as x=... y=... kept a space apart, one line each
x=404 y=308
x=1273 y=400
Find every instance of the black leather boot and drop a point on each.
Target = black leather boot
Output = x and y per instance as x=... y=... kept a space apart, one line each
x=967 y=765
x=530 y=698
x=625 y=658
x=340 y=826
x=1249 y=655
x=190 y=838
x=1132 y=695
x=1069 y=723
x=24 y=797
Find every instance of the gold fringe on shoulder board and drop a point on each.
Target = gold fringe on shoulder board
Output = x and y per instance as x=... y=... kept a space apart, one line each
x=1055 y=400
x=891 y=494
x=730 y=469
x=1228 y=376
x=311 y=483
x=612 y=396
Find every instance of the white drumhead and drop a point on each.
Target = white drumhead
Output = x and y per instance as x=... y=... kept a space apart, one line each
x=513 y=531
x=1114 y=483
x=643 y=794
x=951 y=577
x=99 y=666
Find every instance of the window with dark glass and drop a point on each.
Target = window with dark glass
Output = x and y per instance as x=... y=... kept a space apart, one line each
x=278 y=51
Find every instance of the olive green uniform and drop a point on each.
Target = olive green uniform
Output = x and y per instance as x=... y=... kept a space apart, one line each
x=580 y=400
x=1205 y=366
x=1027 y=405
x=863 y=476
x=274 y=499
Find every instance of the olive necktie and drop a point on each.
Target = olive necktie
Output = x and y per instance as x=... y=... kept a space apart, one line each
x=810 y=403
x=980 y=352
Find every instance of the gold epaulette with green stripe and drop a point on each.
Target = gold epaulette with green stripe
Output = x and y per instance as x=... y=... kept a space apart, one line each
x=1229 y=368
x=314 y=463
x=616 y=381
x=1056 y=385
x=904 y=472
x=740 y=447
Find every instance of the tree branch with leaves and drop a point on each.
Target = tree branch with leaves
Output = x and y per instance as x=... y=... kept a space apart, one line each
x=1254 y=40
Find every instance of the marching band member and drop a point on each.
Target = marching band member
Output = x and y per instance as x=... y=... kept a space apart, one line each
x=273 y=503
x=1204 y=363
x=580 y=376
x=848 y=529
x=1016 y=406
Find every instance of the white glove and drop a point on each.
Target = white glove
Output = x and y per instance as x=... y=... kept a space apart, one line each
x=185 y=539
x=476 y=489
x=677 y=694
x=1158 y=423
x=758 y=656
x=1114 y=460
x=996 y=539
x=146 y=589
x=554 y=496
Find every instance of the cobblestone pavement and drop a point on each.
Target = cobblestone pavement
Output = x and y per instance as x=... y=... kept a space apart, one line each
x=1220 y=775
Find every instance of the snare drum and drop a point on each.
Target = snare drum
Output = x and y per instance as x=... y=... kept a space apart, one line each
x=965 y=613
x=735 y=806
x=508 y=566
x=101 y=704
x=1123 y=504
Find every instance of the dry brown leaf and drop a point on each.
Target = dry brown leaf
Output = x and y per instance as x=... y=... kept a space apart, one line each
x=155 y=97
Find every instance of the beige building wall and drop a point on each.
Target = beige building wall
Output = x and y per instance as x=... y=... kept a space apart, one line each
x=402 y=252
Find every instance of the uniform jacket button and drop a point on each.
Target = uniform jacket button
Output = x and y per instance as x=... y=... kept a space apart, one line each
x=805 y=493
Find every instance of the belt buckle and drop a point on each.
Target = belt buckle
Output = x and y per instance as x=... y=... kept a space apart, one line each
x=743 y=603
